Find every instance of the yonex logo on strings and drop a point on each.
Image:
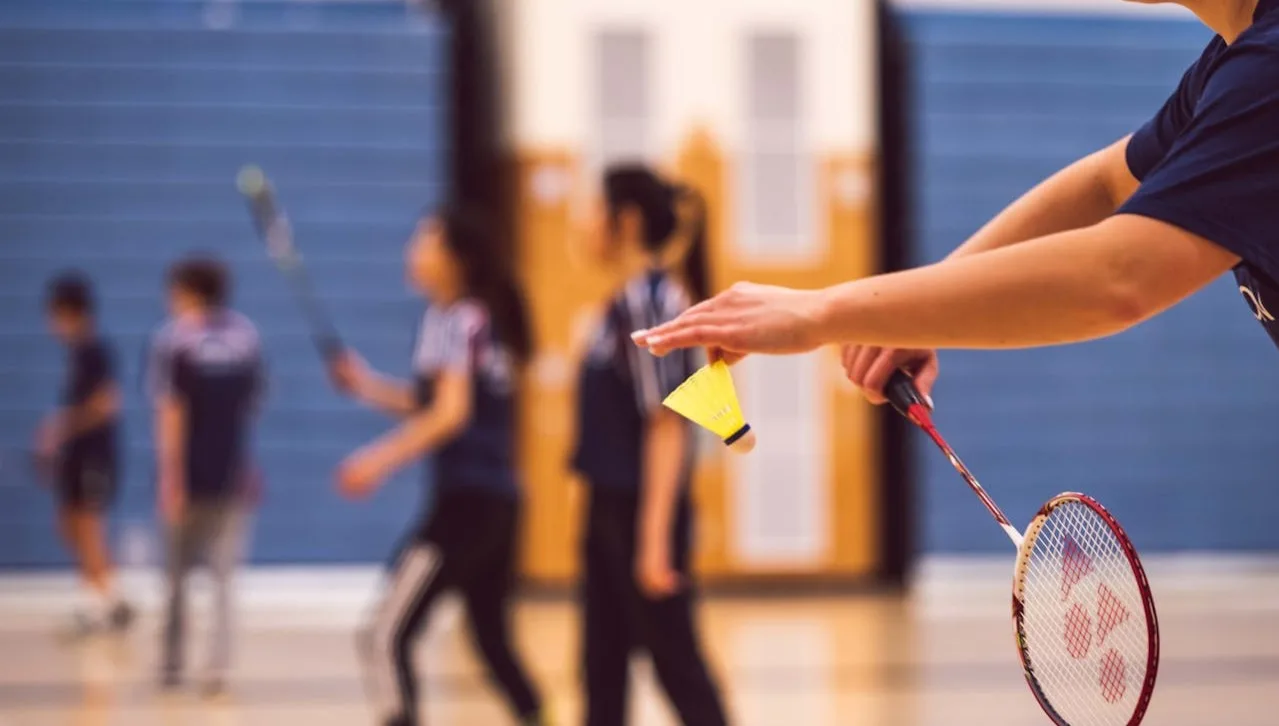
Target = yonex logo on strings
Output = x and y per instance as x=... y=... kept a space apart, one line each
x=1076 y=565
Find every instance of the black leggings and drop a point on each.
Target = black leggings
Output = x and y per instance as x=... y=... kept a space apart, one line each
x=620 y=620
x=468 y=544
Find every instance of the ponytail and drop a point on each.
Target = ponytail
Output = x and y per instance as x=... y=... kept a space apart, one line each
x=509 y=312
x=695 y=266
x=674 y=221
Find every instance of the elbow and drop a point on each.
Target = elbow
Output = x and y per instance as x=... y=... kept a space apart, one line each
x=1125 y=301
x=454 y=423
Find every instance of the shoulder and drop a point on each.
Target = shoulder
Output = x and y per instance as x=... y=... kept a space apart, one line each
x=461 y=318
x=1252 y=63
x=469 y=315
x=242 y=326
x=166 y=336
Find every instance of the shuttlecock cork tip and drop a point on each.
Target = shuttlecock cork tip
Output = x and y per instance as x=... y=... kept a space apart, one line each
x=741 y=442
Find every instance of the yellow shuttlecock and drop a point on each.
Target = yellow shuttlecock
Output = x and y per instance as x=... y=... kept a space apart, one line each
x=709 y=400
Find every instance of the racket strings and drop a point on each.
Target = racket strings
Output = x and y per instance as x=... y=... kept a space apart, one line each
x=1084 y=621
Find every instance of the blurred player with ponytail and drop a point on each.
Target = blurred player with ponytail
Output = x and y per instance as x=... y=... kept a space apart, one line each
x=636 y=457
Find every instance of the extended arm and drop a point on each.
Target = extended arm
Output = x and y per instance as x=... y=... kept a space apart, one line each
x=354 y=377
x=1062 y=288
x=389 y=395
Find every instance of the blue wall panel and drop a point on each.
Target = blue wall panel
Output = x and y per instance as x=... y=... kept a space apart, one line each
x=1174 y=425
x=122 y=125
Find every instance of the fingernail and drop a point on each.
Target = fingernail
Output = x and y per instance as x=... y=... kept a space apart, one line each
x=928 y=400
x=639 y=335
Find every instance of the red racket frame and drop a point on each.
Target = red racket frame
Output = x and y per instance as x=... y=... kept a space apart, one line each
x=1143 y=586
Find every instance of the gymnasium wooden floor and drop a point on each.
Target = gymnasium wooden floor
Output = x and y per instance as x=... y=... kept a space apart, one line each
x=940 y=657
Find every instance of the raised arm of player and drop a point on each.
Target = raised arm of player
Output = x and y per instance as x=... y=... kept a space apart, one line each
x=353 y=377
x=1083 y=194
x=1062 y=288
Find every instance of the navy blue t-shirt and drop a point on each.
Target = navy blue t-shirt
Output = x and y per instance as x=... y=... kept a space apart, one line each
x=214 y=368
x=459 y=338
x=621 y=384
x=1208 y=162
x=92 y=366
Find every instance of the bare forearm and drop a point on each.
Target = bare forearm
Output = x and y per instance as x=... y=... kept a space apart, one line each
x=1064 y=288
x=664 y=445
x=170 y=438
x=414 y=438
x=1078 y=196
x=391 y=396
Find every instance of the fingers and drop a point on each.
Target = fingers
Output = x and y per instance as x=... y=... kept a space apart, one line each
x=877 y=375
x=693 y=334
x=869 y=368
x=862 y=362
x=657 y=338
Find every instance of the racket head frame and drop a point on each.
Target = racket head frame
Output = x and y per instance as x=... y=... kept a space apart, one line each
x=1143 y=585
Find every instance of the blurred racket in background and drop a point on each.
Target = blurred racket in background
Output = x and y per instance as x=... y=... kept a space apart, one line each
x=1083 y=612
x=273 y=227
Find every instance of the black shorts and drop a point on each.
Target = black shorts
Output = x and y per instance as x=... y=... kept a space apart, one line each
x=89 y=484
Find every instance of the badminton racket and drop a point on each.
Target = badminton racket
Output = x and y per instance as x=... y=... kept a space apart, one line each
x=272 y=225
x=1083 y=613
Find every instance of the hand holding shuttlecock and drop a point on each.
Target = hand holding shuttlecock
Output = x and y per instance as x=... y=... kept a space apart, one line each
x=709 y=400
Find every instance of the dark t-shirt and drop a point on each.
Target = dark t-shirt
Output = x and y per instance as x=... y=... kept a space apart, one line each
x=92 y=366
x=215 y=370
x=1208 y=162
x=459 y=338
x=621 y=385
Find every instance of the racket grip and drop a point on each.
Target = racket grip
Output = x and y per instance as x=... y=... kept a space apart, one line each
x=902 y=393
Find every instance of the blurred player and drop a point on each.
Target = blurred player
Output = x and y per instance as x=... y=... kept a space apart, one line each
x=473 y=341
x=636 y=456
x=1110 y=241
x=79 y=440
x=207 y=378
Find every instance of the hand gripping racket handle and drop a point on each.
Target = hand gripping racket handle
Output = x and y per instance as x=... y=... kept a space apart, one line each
x=902 y=394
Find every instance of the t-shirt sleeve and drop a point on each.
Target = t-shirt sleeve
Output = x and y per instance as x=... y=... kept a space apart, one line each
x=1220 y=178
x=448 y=339
x=1150 y=143
x=653 y=377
